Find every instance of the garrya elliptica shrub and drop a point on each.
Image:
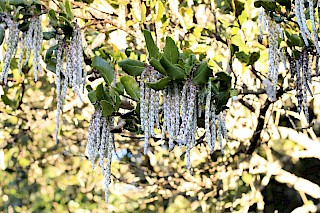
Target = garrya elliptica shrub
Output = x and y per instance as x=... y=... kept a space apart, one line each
x=176 y=92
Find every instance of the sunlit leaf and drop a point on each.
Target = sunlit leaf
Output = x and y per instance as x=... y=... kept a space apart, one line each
x=132 y=67
x=160 y=84
x=175 y=72
x=202 y=74
x=151 y=45
x=104 y=68
x=131 y=87
x=68 y=9
x=107 y=108
x=157 y=65
x=171 y=51
x=100 y=93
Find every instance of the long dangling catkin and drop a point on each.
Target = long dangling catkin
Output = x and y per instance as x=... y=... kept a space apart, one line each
x=73 y=74
x=317 y=65
x=299 y=94
x=100 y=145
x=23 y=46
x=301 y=20
x=59 y=70
x=213 y=127
x=314 y=28
x=208 y=116
x=34 y=44
x=187 y=131
x=261 y=23
x=149 y=105
x=12 y=42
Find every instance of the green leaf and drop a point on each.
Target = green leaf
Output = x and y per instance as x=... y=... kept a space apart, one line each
x=53 y=18
x=266 y=4
x=151 y=46
x=160 y=84
x=240 y=43
x=68 y=10
x=239 y=7
x=119 y=88
x=296 y=54
x=1 y=35
x=92 y=96
x=2 y=5
x=157 y=65
x=51 y=65
x=295 y=40
x=100 y=93
x=67 y=21
x=132 y=67
x=107 y=108
x=37 y=5
x=116 y=99
x=49 y=35
x=285 y=3
x=278 y=19
x=160 y=11
x=50 y=52
x=104 y=68
x=222 y=100
x=171 y=51
x=234 y=92
x=234 y=49
x=202 y=74
x=175 y=72
x=224 y=79
x=18 y=2
x=244 y=58
x=143 y=12
x=253 y=58
x=7 y=101
x=131 y=87
x=215 y=90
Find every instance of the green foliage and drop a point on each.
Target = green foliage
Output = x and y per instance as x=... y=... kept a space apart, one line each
x=151 y=46
x=131 y=87
x=267 y=5
x=132 y=67
x=171 y=51
x=160 y=84
x=221 y=86
x=172 y=70
x=157 y=66
x=202 y=74
x=104 y=68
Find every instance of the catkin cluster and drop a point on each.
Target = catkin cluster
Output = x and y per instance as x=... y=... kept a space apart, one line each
x=12 y=42
x=300 y=70
x=100 y=145
x=275 y=54
x=149 y=104
x=30 y=42
x=299 y=11
x=214 y=124
x=69 y=70
x=182 y=105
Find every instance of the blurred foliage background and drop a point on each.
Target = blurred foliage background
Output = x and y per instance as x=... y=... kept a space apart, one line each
x=281 y=175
